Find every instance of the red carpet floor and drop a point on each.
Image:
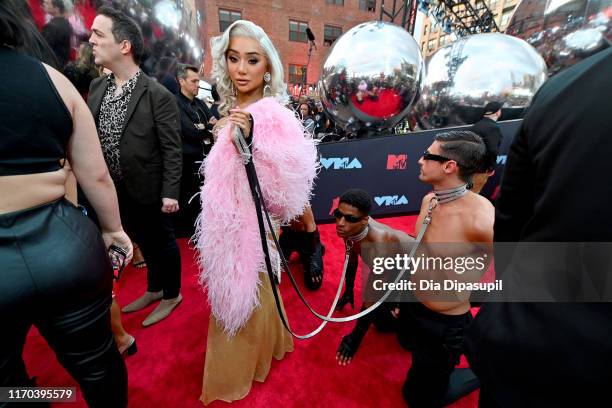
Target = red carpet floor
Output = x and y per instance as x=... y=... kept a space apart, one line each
x=167 y=370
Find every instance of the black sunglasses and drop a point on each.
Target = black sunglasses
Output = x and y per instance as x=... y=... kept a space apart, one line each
x=349 y=218
x=435 y=157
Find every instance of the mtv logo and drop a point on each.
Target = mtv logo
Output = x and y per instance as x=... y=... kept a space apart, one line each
x=340 y=163
x=335 y=204
x=502 y=159
x=396 y=162
x=385 y=201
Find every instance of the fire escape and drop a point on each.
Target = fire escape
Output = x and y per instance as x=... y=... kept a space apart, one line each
x=459 y=17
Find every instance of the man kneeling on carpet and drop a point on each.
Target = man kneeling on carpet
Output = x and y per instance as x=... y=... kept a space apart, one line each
x=459 y=223
x=358 y=229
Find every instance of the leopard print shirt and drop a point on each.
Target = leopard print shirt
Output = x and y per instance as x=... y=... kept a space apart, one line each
x=112 y=118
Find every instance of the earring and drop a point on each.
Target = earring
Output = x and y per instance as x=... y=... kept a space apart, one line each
x=267 y=91
x=232 y=88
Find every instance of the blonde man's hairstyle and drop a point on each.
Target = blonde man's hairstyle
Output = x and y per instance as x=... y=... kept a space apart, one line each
x=220 y=74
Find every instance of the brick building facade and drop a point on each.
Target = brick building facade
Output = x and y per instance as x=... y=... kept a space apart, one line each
x=285 y=21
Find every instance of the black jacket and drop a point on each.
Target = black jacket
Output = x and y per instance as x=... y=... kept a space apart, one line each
x=194 y=139
x=555 y=189
x=488 y=130
x=150 y=148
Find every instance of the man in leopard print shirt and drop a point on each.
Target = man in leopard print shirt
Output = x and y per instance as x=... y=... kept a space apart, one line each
x=139 y=125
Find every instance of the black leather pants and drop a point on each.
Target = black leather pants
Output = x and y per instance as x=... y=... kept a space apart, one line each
x=55 y=274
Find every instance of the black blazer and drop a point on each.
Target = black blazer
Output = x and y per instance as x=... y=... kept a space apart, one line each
x=193 y=138
x=150 y=147
x=555 y=188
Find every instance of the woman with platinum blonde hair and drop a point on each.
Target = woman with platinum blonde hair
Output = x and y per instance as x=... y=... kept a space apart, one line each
x=245 y=330
x=275 y=86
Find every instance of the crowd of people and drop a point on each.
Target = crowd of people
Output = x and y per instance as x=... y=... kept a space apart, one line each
x=151 y=161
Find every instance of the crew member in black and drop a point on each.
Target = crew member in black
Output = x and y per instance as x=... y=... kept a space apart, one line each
x=197 y=142
x=56 y=272
x=488 y=130
x=555 y=189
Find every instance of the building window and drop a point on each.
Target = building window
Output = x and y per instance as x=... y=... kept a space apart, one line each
x=331 y=34
x=227 y=17
x=431 y=44
x=335 y=2
x=367 y=5
x=505 y=18
x=297 y=74
x=442 y=40
x=426 y=30
x=297 y=31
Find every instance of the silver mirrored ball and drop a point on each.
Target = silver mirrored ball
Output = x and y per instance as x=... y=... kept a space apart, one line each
x=463 y=76
x=371 y=77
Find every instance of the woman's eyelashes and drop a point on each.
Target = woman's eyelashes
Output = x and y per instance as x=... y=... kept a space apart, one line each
x=233 y=60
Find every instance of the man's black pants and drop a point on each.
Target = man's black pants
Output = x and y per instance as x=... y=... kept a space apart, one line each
x=153 y=232
x=439 y=345
x=190 y=185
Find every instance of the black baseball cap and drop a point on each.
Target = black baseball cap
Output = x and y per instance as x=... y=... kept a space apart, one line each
x=492 y=107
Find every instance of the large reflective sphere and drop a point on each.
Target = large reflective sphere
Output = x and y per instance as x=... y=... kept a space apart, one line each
x=563 y=31
x=371 y=77
x=463 y=76
x=172 y=29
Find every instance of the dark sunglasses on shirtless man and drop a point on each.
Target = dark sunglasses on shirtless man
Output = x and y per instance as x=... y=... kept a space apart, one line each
x=435 y=157
x=349 y=218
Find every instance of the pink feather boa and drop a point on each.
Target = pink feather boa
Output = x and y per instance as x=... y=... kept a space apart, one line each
x=230 y=253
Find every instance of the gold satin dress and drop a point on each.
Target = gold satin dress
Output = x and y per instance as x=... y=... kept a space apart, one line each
x=232 y=363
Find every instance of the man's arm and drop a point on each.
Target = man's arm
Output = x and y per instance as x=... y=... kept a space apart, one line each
x=422 y=213
x=168 y=124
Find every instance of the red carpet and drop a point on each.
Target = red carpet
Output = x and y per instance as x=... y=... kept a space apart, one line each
x=167 y=370
x=387 y=104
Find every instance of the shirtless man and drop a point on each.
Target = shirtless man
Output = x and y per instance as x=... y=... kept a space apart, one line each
x=460 y=217
x=354 y=225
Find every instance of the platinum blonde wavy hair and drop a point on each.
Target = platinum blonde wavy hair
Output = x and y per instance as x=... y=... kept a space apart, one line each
x=220 y=74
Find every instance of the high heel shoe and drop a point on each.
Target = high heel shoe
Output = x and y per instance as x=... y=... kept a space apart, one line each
x=347 y=297
x=130 y=349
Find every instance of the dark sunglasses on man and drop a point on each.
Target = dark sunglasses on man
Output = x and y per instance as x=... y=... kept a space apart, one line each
x=349 y=218
x=435 y=157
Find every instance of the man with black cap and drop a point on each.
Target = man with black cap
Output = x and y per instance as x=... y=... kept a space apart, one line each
x=488 y=130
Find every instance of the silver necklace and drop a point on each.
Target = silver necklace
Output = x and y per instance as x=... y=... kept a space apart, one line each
x=445 y=196
x=350 y=241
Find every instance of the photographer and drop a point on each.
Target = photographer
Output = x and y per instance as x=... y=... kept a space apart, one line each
x=197 y=142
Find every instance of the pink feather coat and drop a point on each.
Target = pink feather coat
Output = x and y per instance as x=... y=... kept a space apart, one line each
x=228 y=240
